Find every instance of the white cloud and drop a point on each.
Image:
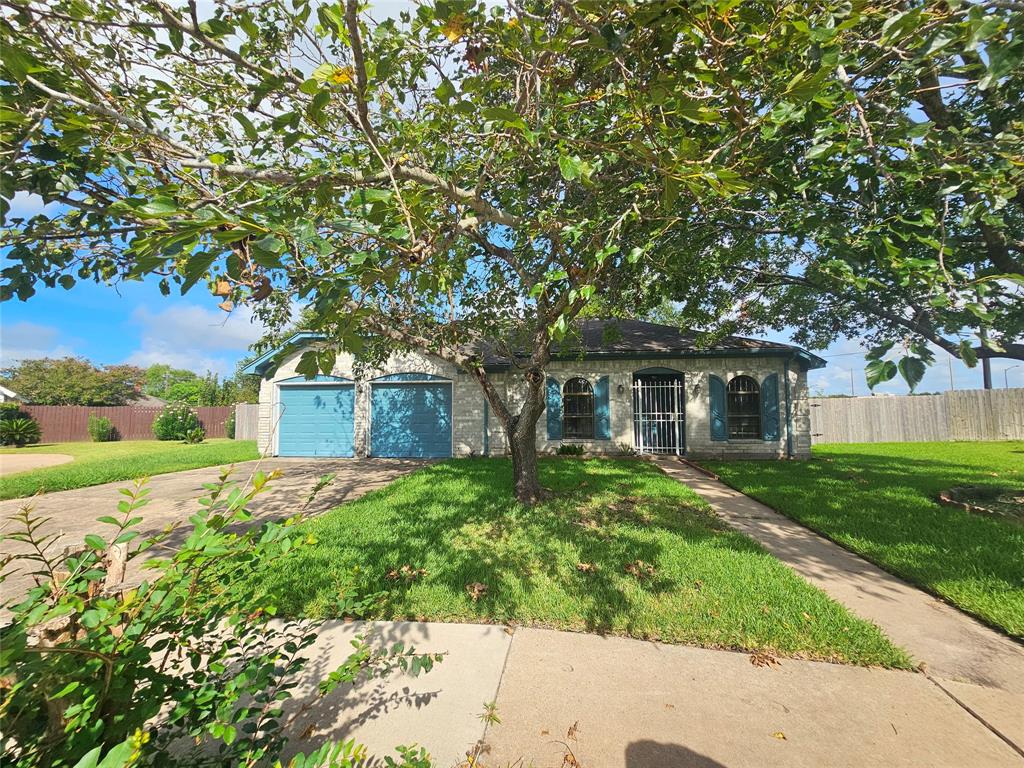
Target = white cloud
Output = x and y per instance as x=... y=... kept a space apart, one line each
x=191 y=337
x=26 y=341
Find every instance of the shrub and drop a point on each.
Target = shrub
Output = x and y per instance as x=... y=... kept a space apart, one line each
x=175 y=421
x=194 y=436
x=571 y=449
x=186 y=666
x=101 y=429
x=12 y=410
x=229 y=425
x=19 y=431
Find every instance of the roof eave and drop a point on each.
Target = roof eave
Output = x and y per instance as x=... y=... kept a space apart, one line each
x=261 y=364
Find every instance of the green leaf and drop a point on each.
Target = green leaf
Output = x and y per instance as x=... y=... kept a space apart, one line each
x=159 y=206
x=967 y=353
x=250 y=130
x=176 y=37
x=445 y=92
x=818 y=150
x=877 y=353
x=878 y=371
x=366 y=196
x=912 y=370
x=508 y=117
x=570 y=167
x=95 y=542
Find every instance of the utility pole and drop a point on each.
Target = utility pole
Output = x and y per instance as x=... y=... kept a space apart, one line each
x=853 y=392
x=949 y=360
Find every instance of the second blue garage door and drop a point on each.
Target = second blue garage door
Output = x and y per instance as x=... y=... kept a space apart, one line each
x=317 y=420
x=411 y=420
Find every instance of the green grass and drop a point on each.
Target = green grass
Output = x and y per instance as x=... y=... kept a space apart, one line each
x=879 y=500
x=97 y=463
x=457 y=520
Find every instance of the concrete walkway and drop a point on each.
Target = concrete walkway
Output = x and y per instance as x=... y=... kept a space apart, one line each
x=977 y=666
x=23 y=462
x=632 y=704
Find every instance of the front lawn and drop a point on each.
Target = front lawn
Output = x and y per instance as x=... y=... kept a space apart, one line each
x=619 y=548
x=879 y=500
x=97 y=463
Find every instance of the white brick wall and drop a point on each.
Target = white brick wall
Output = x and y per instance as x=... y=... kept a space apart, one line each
x=468 y=402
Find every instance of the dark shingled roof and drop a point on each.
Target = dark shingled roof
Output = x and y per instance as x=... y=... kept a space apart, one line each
x=636 y=338
x=625 y=339
x=631 y=336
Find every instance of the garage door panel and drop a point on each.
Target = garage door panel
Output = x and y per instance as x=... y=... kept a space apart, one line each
x=411 y=420
x=317 y=421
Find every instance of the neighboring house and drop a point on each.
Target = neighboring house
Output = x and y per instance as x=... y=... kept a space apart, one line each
x=650 y=390
x=147 y=401
x=7 y=396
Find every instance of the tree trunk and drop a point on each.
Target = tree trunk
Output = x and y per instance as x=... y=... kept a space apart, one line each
x=520 y=431
x=522 y=443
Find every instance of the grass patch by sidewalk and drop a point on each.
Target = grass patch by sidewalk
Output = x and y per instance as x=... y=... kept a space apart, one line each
x=879 y=500
x=97 y=463
x=618 y=548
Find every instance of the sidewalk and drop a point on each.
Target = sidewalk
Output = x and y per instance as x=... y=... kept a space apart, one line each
x=978 y=666
x=635 y=704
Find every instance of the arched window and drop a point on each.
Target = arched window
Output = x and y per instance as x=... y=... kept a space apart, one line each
x=744 y=408
x=577 y=410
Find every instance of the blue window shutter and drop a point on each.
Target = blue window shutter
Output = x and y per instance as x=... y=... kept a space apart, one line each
x=770 y=407
x=602 y=411
x=554 y=409
x=716 y=394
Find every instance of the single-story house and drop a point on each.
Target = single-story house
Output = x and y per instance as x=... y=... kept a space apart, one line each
x=625 y=386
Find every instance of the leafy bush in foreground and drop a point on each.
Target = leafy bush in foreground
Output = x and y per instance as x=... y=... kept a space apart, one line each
x=183 y=667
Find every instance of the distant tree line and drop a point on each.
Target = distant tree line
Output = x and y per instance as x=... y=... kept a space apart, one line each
x=77 y=381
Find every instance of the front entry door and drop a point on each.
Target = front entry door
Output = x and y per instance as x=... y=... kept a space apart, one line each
x=659 y=413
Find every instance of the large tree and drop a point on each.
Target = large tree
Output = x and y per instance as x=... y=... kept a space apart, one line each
x=903 y=220
x=72 y=381
x=462 y=181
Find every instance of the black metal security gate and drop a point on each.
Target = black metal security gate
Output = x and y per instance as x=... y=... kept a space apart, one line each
x=659 y=412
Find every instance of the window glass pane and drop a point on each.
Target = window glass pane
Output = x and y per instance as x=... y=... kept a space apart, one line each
x=577 y=409
x=744 y=408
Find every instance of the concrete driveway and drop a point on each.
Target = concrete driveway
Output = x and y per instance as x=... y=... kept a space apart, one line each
x=173 y=498
x=23 y=462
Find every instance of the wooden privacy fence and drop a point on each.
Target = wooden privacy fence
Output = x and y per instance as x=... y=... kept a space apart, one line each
x=67 y=423
x=246 y=421
x=976 y=414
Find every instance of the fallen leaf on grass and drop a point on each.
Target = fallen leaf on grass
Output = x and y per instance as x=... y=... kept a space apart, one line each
x=476 y=590
x=406 y=573
x=586 y=567
x=763 y=659
x=640 y=569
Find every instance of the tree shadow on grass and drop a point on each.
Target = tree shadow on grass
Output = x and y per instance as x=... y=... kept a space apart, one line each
x=458 y=521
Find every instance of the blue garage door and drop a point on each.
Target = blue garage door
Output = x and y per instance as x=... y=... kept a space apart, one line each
x=316 y=420
x=411 y=420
